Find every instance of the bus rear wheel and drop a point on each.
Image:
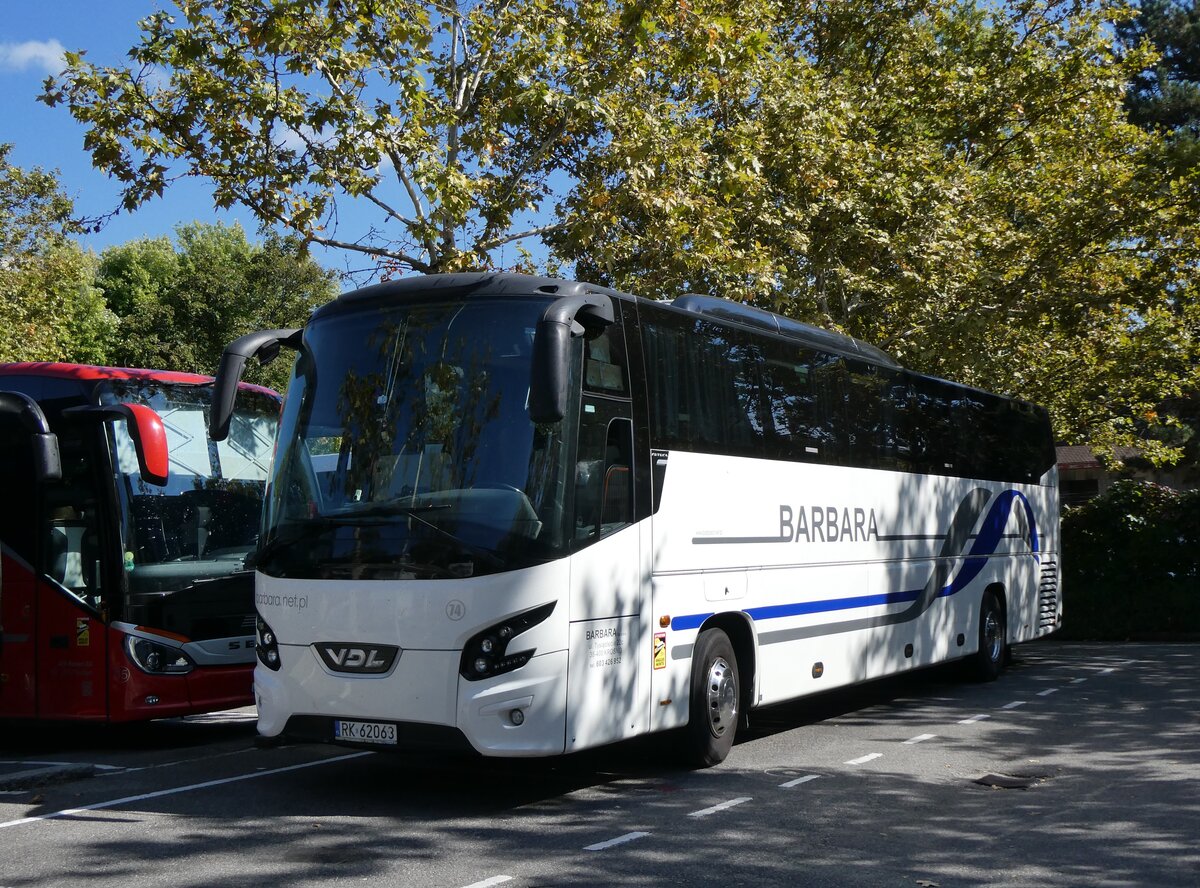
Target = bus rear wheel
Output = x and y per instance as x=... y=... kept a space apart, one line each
x=989 y=660
x=715 y=702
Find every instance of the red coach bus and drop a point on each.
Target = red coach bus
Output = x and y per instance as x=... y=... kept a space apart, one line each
x=126 y=594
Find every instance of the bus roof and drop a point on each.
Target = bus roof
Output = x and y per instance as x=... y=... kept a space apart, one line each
x=469 y=284
x=94 y=373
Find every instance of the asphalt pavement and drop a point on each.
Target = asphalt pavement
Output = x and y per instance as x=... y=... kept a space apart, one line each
x=1079 y=767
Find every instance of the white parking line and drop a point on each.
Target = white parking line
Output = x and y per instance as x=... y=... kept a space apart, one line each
x=487 y=883
x=1107 y=671
x=805 y=779
x=920 y=738
x=1047 y=692
x=721 y=807
x=974 y=718
x=1076 y=681
x=619 y=840
x=1013 y=705
x=128 y=800
x=866 y=758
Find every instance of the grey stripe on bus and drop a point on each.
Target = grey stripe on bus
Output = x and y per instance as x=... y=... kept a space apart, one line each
x=965 y=516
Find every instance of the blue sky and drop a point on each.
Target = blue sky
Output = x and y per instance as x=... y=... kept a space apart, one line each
x=32 y=36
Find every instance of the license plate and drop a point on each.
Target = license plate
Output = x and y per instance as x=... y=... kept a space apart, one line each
x=364 y=732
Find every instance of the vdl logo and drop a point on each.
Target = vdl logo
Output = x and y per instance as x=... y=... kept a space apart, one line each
x=356 y=658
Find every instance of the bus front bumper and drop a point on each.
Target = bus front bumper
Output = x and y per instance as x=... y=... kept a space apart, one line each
x=521 y=713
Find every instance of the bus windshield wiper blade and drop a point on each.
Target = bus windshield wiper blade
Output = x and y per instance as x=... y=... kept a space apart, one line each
x=386 y=507
x=300 y=531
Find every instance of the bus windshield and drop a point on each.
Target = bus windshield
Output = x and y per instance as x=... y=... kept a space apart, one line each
x=205 y=521
x=410 y=454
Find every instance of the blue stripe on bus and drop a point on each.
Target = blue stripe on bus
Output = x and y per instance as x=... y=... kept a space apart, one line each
x=799 y=608
x=985 y=544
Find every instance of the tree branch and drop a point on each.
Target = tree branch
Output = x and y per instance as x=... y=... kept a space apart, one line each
x=483 y=246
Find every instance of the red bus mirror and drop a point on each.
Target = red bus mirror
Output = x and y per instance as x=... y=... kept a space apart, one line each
x=146 y=430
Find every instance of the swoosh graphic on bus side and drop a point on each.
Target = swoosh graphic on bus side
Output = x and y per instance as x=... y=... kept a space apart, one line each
x=940 y=583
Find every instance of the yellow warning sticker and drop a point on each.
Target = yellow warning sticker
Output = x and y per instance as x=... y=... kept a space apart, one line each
x=83 y=634
x=660 y=650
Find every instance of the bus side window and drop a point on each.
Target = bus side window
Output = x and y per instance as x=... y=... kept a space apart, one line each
x=604 y=472
x=616 y=507
x=604 y=363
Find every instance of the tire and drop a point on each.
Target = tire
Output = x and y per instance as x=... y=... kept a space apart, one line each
x=715 y=700
x=988 y=662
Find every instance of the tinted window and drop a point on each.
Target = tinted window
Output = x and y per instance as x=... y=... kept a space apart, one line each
x=605 y=371
x=705 y=393
x=806 y=395
x=722 y=390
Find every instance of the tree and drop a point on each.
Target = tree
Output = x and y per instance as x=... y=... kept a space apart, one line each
x=450 y=119
x=953 y=181
x=1165 y=94
x=49 y=308
x=178 y=307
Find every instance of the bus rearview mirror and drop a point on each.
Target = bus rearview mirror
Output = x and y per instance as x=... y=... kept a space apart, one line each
x=265 y=344
x=562 y=321
x=146 y=429
x=46 y=461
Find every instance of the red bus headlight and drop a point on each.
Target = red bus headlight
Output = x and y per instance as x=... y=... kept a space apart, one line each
x=157 y=659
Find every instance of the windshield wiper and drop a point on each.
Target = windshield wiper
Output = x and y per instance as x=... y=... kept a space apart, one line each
x=301 y=531
x=386 y=507
x=397 y=507
x=374 y=514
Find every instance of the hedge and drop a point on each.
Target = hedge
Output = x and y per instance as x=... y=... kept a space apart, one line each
x=1131 y=565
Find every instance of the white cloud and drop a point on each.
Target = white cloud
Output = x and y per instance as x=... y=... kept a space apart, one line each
x=44 y=54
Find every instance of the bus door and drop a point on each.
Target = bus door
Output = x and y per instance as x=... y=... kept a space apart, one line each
x=72 y=597
x=29 y=457
x=18 y=603
x=607 y=683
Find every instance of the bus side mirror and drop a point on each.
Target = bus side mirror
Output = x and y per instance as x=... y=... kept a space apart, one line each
x=46 y=461
x=265 y=344
x=145 y=428
x=564 y=320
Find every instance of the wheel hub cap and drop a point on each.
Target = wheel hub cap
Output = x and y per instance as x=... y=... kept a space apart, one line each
x=992 y=635
x=721 y=696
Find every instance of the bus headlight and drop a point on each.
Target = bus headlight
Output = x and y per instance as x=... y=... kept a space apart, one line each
x=486 y=653
x=157 y=659
x=268 y=646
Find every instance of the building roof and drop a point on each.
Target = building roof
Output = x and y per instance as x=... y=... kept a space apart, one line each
x=1078 y=456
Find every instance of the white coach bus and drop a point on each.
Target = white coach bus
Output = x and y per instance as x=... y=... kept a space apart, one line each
x=533 y=516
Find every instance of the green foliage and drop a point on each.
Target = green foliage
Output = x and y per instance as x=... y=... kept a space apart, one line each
x=179 y=306
x=1131 y=564
x=450 y=119
x=955 y=180
x=1166 y=94
x=49 y=308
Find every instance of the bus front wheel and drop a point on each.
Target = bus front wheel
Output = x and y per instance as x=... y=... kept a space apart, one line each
x=715 y=699
x=989 y=660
